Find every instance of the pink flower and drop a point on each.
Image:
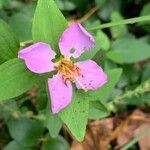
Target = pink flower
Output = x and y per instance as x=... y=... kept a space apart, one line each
x=86 y=75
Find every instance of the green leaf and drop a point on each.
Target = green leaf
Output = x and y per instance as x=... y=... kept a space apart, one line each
x=104 y=40
x=13 y=145
x=48 y=23
x=24 y=131
x=53 y=122
x=9 y=44
x=97 y=110
x=100 y=3
x=146 y=72
x=108 y=64
x=5 y=113
x=65 y=5
x=55 y=144
x=145 y=11
x=108 y=7
x=118 y=31
x=129 y=50
x=22 y=26
x=41 y=98
x=15 y=79
x=103 y=93
x=75 y=116
x=139 y=101
x=115 y=57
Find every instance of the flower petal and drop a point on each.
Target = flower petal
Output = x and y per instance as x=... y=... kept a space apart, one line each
x=92 y=76
x=60 y=92
x=38 y=57
x=75 y=40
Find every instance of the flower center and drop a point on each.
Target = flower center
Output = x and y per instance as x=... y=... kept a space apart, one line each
x=68 y=70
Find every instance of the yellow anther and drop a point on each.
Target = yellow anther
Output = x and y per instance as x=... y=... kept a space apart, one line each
x=69 y=71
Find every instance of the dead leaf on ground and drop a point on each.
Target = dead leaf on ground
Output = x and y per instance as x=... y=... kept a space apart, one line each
x=137 y=122
x=118 y=130
x=97 y=136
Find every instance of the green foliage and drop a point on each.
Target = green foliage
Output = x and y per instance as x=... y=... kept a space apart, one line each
x=129 y=50
x=65 y=5
x=15 y=79
x=9 y=44
x=16 y=22
x=78 y=114
x=25 y=132
x=136 y=94
x=98 y=110
x=108 y=7
x=48 y=23
x=55 y=144
x=145 y=11
x=116 y=47
x=6 y=106
x=21 y=20
x=41 y=99
x=13 y=145
x=146 y=72
x=53 y=122
x=103 y=40
x=118 y=31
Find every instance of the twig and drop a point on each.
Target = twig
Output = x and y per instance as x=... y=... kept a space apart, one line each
x=143 y=88
x=85 y=17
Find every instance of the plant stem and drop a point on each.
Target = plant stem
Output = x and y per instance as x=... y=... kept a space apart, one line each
x=141 y=89
x=121 y=22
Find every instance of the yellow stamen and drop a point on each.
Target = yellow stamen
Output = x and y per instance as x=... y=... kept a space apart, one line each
x=69 y=71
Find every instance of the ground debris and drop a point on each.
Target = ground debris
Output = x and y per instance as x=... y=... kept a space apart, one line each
x=115 y=132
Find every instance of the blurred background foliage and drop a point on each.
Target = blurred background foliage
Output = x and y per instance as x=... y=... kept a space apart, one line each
x=22 y=121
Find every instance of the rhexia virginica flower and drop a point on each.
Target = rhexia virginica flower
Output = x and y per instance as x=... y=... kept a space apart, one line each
x=86 y=75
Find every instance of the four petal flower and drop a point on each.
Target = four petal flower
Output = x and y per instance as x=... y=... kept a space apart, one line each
x=86 y=75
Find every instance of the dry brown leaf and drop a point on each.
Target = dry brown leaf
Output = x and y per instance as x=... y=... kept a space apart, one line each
x=144 y=143
x=97 y=136
x=137 y=121
x=118 y=130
